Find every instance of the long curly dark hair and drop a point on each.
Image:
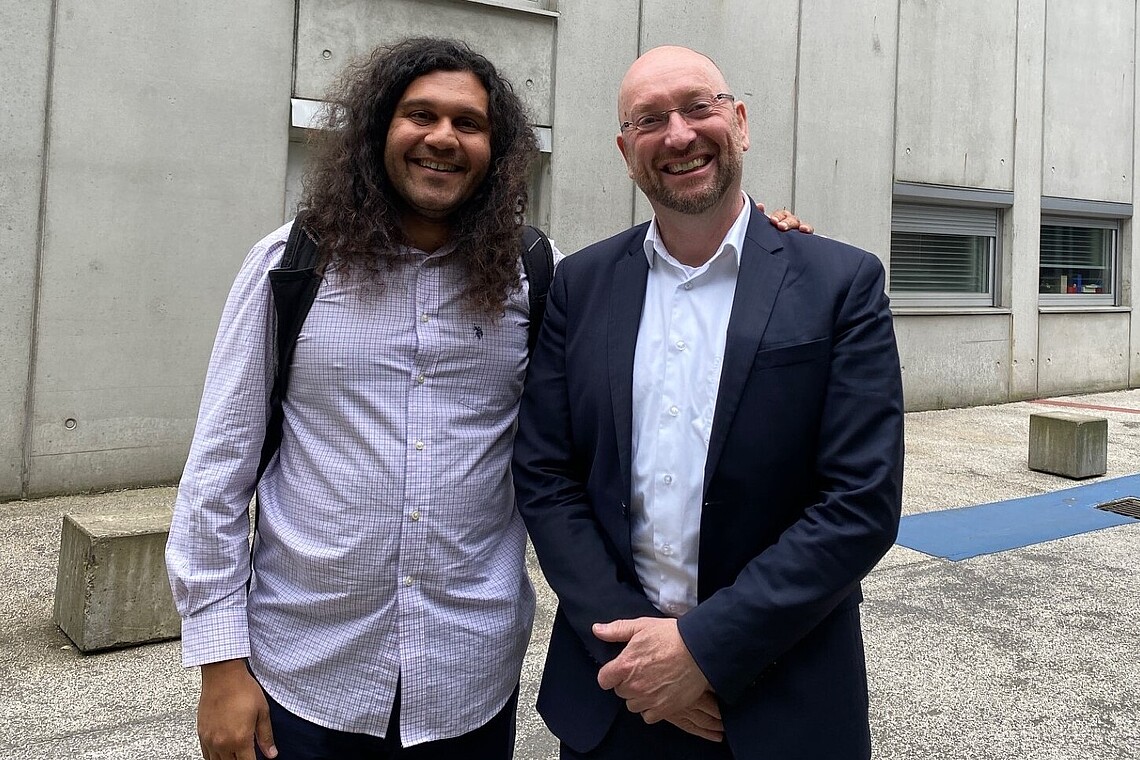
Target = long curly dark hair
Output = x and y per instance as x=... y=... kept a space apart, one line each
x=352 y=207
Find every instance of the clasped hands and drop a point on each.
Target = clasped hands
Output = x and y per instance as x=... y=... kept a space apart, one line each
x=658 y=678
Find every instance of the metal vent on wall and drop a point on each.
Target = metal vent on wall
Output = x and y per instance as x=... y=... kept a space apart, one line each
x=1129 y=506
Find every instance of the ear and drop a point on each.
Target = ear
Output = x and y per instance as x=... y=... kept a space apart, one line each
x=622 y=147
x=742 y=120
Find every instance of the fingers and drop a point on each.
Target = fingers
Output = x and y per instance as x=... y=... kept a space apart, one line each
x=618 y=630
x=264 y=734
x=685 y=724
x=706 y=704
x=759 y=206
x=612 y=674
x=231 y=712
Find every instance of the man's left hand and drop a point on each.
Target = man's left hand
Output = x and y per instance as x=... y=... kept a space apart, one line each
x=654 y=674
x=785 y=220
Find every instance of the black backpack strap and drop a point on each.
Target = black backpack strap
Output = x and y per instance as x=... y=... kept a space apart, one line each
x=294 y=285
x=538 y=264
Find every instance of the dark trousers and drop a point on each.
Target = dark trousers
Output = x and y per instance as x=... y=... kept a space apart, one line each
x=631 y=737
x=298 y=739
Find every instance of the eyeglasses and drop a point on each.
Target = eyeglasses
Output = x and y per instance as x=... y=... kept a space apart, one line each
x=695 y=111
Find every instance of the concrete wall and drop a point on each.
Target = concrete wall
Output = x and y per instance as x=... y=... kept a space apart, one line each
x=25 y=47
x=957 y=63
x=1089 y=92
x=945 y=356
x=1083 y=352
x=845 y=121
x=164 y=133
x=332 y=33
x=166 y=145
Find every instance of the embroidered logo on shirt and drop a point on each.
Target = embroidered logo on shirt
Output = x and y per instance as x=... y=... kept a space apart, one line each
x=478 y=331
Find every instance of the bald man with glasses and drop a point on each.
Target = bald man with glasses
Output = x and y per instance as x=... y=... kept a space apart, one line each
x=709 y=457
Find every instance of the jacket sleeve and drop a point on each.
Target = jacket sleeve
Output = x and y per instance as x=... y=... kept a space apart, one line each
x=207 y=553
x=550 y=475
x=818 y=561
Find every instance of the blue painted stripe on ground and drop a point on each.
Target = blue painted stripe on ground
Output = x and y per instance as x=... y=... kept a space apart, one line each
x=965 y=532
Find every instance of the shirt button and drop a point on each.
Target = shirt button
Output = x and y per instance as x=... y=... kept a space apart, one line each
x=667 y=550
x=668 y=479
x=681 y=345
x=415 y=515
x=674 y=411
x=408 y=580
x=688 y=286
x=419 y=445
x=420 y=379
x=424 y=317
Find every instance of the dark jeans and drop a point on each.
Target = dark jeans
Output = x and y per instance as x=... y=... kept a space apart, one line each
x=631 y=737
x=298 y=739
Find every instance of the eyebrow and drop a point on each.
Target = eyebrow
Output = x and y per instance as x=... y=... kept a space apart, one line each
x=428 y=103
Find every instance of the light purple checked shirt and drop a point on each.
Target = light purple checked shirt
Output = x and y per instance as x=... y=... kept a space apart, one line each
x=389 y=546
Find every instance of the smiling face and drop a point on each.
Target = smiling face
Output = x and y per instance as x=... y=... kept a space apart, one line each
x=686 y=166
x=438 y=146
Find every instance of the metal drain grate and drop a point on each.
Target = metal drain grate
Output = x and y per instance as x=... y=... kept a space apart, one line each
x=1129 y=506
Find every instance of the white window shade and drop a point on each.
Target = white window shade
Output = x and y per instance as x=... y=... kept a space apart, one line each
x=943 y=255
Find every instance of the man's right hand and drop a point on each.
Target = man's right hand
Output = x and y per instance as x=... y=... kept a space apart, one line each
x=232 y=712
x=702 y=718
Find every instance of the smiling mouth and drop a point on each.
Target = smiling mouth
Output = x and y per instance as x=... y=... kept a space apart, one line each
x=687 y=166
x=436 y=165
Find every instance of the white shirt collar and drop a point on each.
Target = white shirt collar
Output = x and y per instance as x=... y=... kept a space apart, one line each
x=733 y=239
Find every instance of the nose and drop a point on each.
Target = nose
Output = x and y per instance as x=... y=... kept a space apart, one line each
x=679 y=134
x=442 y=135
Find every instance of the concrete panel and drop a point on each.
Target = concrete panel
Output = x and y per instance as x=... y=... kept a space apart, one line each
x=591 y=195
x=168 y=140
x=845 y=124
x=1083 y=352
x=520 y=42
x=1130 y=269
x=755 y=45
x=953 y=360
x=25 y=40
x=1021 y=254
x=956 y=84
x=1089 y=94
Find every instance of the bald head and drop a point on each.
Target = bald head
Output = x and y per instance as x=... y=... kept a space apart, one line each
x=660 y=71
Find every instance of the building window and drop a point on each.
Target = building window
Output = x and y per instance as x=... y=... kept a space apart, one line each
x=943 y=255
x=1078 y=261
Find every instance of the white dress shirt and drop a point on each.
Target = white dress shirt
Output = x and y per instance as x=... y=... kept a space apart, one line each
x=389 y=545
x=676 y=375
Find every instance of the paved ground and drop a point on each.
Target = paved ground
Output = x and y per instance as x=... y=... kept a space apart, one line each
x=1031 y=653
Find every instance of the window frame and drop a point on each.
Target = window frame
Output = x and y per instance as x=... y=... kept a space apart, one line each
x=1072 y=212
x=973 y=206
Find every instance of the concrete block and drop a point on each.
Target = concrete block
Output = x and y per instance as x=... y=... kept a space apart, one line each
x=111 y=587
x=1071 y=445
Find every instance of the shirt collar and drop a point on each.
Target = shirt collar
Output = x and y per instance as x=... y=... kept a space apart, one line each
x=733 y=239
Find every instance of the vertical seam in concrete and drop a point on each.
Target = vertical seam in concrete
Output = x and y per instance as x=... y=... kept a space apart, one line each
x=796 y=99
x=37 y=278
x=1040 y=177
x=296 y=48
x=633 y=185
x=894 y=137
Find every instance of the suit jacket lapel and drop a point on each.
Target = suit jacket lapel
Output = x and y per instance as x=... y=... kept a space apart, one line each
x=757 y=284
x=626 y=300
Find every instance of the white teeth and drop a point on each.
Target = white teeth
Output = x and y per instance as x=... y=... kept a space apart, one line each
x=438 y=167
x=687 y=166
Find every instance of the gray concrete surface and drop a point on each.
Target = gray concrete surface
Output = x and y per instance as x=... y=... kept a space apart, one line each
x=1030 y=653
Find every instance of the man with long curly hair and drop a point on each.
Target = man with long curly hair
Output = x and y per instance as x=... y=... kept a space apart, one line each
x=389 y=609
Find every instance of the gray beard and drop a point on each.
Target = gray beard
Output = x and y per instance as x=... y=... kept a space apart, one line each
x=695 y=202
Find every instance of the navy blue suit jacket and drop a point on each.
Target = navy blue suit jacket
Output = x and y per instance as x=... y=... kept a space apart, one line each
x=802 y=491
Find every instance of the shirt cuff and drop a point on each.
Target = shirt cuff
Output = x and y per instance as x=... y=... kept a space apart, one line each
x=214 y=636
